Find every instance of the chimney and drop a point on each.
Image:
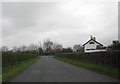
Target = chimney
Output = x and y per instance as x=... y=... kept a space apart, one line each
x=94 y=38
x=90 y=36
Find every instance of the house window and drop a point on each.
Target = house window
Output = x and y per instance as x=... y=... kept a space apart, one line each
x=92 y=49
x=91 y=43
x=100 y=47
x=87 y=49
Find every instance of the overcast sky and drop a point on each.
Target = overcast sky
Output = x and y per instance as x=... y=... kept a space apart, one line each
x=67 y=23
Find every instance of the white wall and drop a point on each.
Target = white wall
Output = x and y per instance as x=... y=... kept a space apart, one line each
x=92 y=46
x=96 y=50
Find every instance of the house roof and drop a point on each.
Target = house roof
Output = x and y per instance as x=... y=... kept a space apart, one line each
x=92 y=40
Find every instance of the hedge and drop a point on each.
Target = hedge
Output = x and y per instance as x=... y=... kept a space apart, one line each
x=103 y=58
x=11 y=58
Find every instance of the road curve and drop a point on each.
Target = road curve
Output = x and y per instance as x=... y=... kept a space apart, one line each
x=48 y=69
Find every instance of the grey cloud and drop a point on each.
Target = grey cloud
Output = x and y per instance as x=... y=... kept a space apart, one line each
x=69 y=24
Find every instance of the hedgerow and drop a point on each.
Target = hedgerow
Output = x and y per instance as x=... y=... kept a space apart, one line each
x=11 y=58
x=103 y=58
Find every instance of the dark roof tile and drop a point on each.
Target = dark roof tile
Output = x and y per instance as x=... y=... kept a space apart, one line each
x=94 y=41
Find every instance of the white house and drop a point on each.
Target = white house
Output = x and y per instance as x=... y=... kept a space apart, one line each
x=93 y=46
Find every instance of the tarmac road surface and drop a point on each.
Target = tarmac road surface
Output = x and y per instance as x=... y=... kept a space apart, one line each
x=48 y=69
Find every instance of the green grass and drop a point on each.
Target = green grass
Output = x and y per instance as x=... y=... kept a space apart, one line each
x=105 y=69
x=0 y=77
x=10 y=71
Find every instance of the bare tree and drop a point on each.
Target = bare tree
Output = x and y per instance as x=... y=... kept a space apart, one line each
x=40 y=44
x=67 y=50
x=15 y=49
x=47 y=45
x=77 y=47
x=23 y=48
x=32 y=47
x=56 y=47
x=5 y=48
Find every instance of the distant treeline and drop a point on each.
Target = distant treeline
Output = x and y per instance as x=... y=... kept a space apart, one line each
x=50 y=48
x=102 y=58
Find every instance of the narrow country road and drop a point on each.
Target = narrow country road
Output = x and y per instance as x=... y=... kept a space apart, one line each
x=48 y=69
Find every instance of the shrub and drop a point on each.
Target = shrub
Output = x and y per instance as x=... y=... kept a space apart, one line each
x=103 y=58
x=10 y=58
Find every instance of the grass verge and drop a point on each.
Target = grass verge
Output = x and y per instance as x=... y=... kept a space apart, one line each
x=0 y=77
x=105 y=69
x=11 y=71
